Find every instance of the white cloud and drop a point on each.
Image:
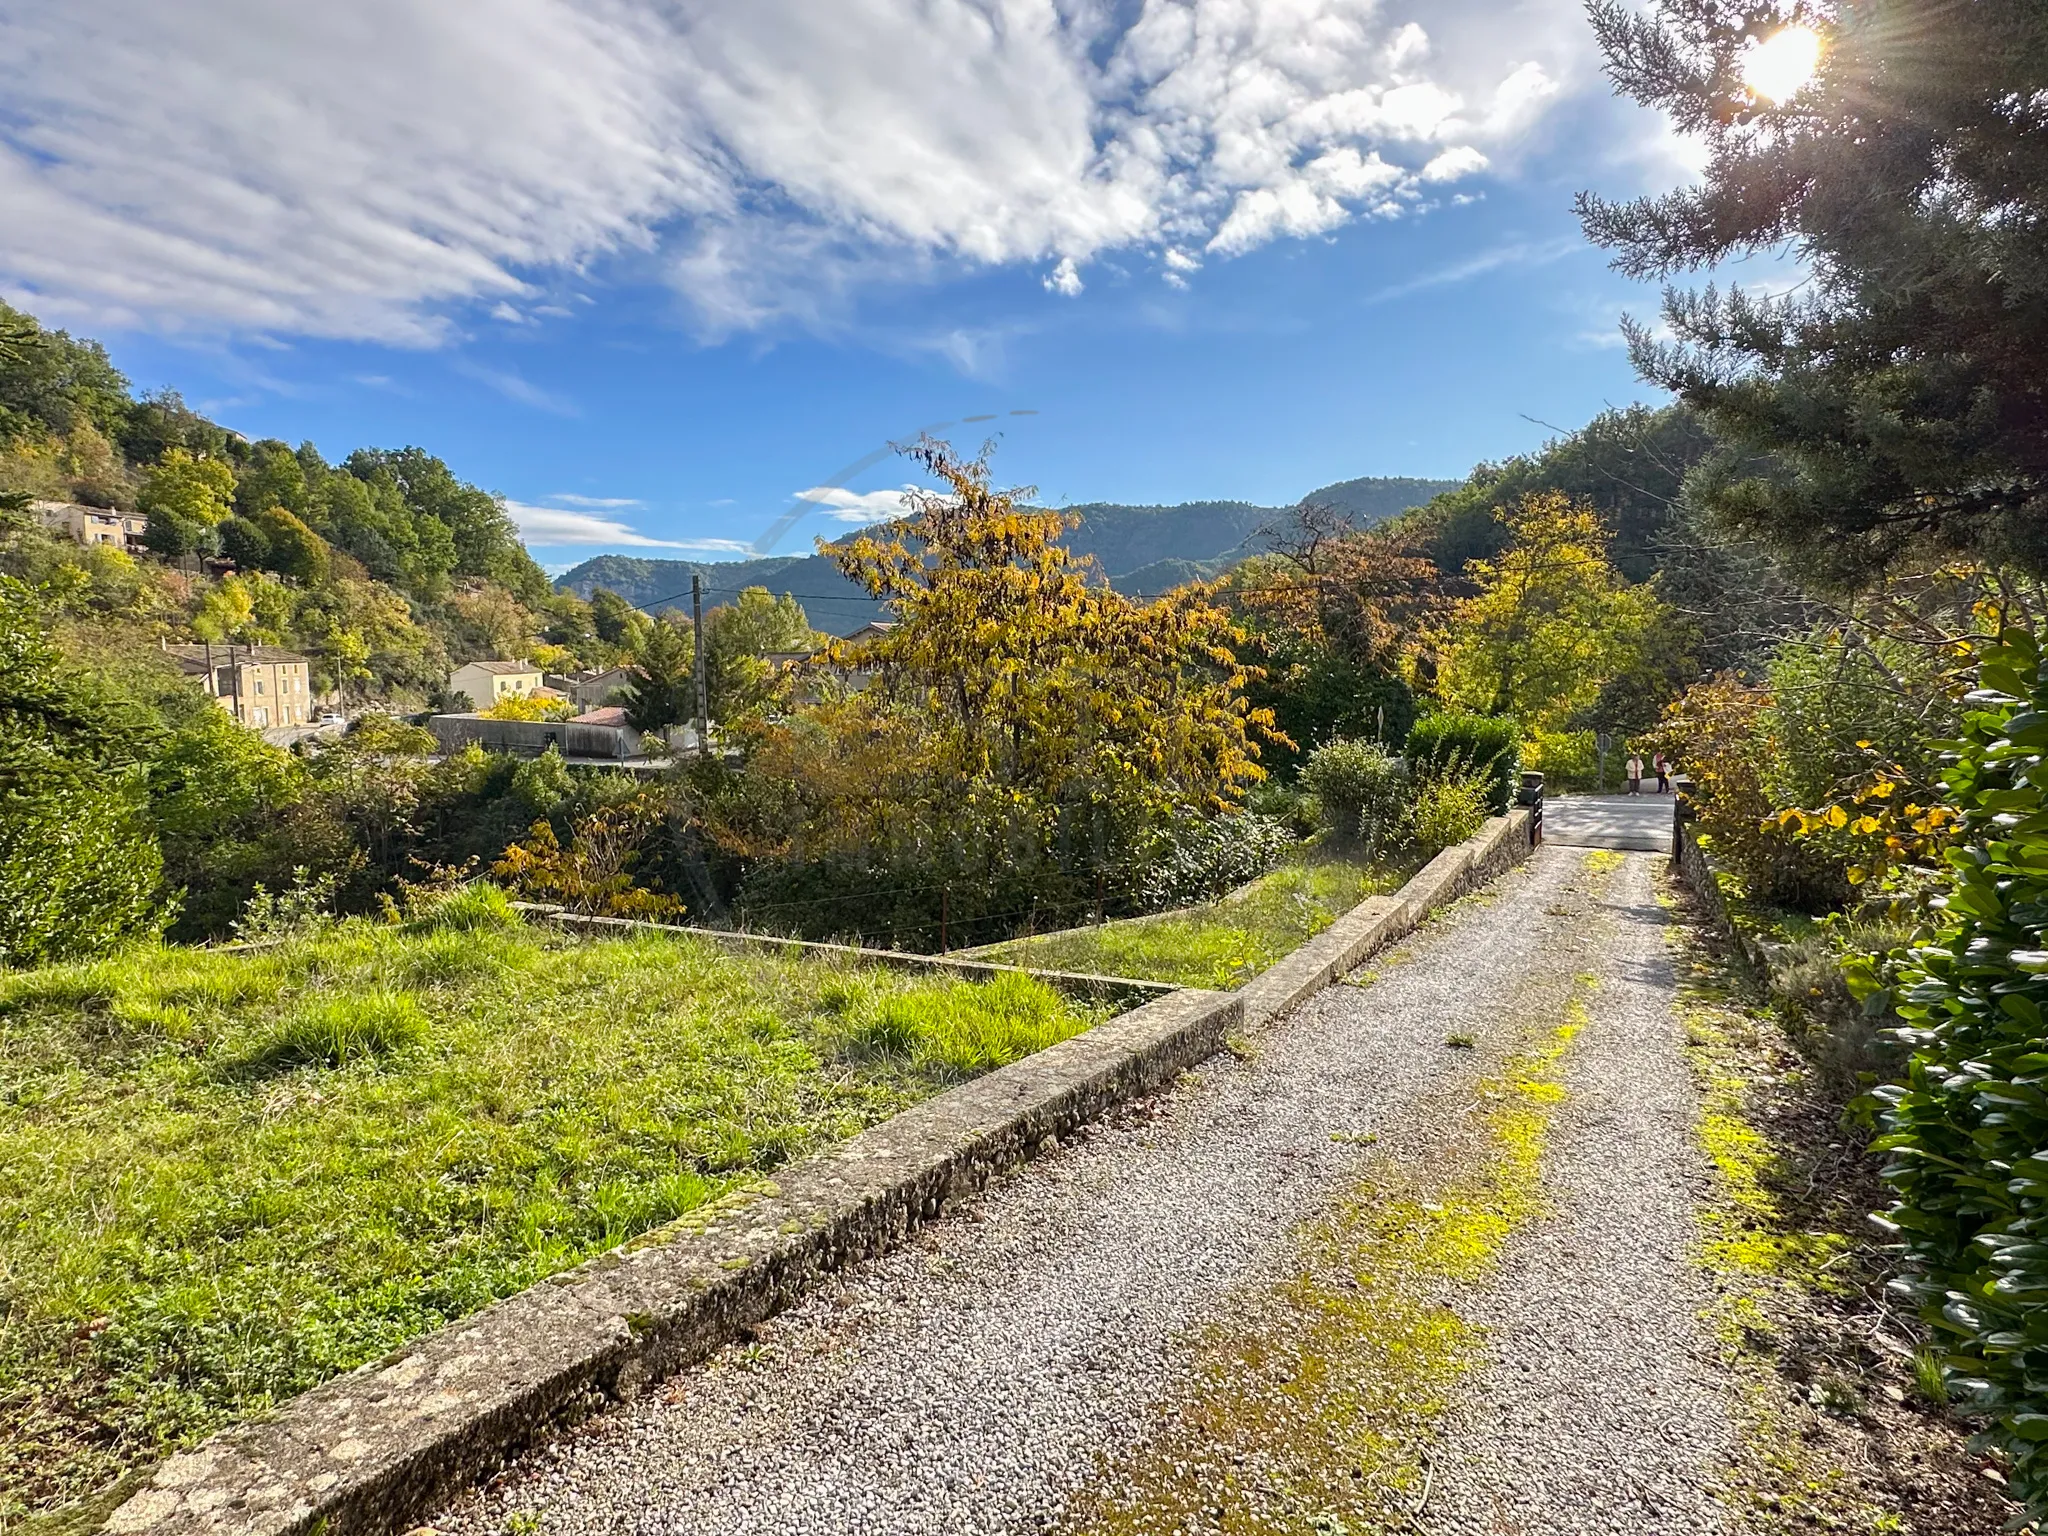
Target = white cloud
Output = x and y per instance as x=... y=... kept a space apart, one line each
x=370 y=169
x=516 y=389
x=1520 y=253
x=844 y=506
x=1455 y=163
x=1065 y=279
x=602 y=503
x=552 y=527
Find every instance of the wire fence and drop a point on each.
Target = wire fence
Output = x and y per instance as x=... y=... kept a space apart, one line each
x=959 y=914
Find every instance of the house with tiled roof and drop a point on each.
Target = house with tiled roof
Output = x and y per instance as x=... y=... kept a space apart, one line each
x=492 y=682
x=263 y=686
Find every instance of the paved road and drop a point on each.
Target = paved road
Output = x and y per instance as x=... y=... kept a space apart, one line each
x=1641 y=822
x=1007 y=1372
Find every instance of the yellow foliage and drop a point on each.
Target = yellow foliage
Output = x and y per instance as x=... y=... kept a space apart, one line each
x=1552 y=621
x=1012 y=666
x=520 y=706
x=595 y=872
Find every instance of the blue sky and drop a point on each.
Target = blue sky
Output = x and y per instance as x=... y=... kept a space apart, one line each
x=652 y=272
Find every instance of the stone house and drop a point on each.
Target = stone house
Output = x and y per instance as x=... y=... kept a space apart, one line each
x=263 y=686
x=593 y=686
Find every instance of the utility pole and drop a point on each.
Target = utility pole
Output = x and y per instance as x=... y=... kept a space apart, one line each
x=703 y=695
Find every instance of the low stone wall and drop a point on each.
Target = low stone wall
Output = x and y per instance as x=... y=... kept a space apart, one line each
x=374 y=1450
x=1379 y=920
x=1110 y=989
x=1696 y=869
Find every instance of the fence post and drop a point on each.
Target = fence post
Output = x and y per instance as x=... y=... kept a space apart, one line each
x=1531 y=795
x=1681 y=813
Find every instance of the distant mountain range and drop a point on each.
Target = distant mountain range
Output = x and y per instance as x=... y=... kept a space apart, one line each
x=1143 y=550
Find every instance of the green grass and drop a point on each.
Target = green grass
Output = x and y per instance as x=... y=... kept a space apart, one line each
x=225 y=1177
x=1222 y=944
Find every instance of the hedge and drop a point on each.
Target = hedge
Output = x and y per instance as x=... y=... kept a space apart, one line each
x=1490 y=739
x=1966 y=1135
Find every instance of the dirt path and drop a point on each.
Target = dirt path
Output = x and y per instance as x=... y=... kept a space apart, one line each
x=1416 y=1259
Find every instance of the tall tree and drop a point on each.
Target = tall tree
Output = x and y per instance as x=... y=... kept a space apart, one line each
x=1551 y=623
x=1023 y=670
x=1902 y=389
x=185 y=498
x=737 y=638
x=1629 y=465
x=1340 y=616
x=664 y=680
x=486 y=543
x=79 y=868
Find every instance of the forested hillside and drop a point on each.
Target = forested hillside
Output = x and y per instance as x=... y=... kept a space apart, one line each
x=1140 y=549
x=383 y=567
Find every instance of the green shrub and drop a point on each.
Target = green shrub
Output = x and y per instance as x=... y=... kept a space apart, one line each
x=1966 y=1133
x=336 y=1031
x=1848 y=1044
x=467 y=908
x=1569 y=760
x=1450 y=803
x=1361 y=793
x=1492 y=740
x=1198 y=857
x=1289 y=804
x=79 y=872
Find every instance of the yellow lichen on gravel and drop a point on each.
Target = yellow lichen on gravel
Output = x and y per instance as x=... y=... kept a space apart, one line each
x=1310 y=1409
x=1832 y=1436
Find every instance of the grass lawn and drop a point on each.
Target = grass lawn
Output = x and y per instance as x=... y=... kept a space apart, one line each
x=1222 y=944
x=225 y=1177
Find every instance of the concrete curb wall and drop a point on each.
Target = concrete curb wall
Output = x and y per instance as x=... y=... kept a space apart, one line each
x=1379 y=920
x=1696 y=868
x=376 y=1449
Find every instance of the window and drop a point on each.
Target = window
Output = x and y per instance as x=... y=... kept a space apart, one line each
x=262 y=715
x=259 y=685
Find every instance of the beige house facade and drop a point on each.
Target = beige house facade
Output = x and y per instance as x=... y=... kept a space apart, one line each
x=592 y=687
x=263 y=686
x=92 y=525
x=491 y=682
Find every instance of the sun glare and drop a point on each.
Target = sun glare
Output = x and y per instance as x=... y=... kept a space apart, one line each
x=1778 y=66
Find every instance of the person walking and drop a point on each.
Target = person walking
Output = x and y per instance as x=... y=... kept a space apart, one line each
x=1635 y=773
x=1663 y=766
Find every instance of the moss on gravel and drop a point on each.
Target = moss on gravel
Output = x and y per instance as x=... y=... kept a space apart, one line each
x=1831 y=1436
x=1309 y=1411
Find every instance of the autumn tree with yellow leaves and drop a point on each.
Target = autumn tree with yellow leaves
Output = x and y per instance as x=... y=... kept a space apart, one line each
x=1552 y=622
x=1022 y=740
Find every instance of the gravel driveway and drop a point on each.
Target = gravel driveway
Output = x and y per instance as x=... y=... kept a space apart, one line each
x=982 y=1378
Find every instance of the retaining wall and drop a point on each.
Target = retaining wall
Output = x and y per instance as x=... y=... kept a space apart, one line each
x=1696 y=868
